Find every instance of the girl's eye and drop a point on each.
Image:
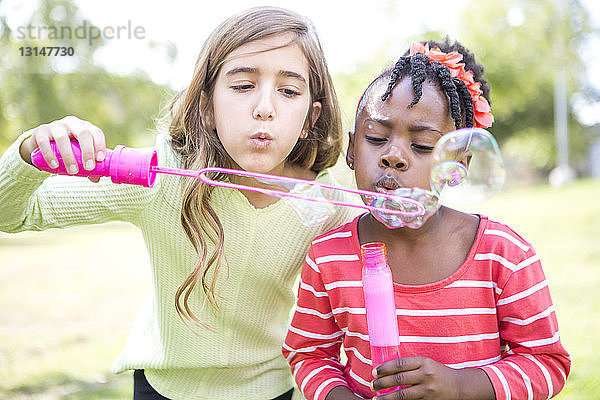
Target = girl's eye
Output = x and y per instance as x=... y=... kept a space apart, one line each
x=373 y=139
x=242 y=87
x=289 y=92
x=421 y=148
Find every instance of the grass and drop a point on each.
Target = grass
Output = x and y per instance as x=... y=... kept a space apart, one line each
x=67 y=301
x=68 y=298
x=563 y=226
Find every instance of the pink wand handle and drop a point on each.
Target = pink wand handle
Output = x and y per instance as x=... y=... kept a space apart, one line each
x=122 y=165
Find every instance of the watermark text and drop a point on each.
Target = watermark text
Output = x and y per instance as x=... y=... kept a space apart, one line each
x=85 y=31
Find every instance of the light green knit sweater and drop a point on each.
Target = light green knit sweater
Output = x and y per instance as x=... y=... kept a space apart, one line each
x=265 y=248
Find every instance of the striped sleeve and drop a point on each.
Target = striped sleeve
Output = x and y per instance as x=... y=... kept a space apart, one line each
x=312 y=345
x=535 y=365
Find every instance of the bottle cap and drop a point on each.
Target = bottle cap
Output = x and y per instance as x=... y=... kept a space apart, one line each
x=133 y=166
x=373 y=253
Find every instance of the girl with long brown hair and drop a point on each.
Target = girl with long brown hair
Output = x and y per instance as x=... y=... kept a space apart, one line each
x=224 y=261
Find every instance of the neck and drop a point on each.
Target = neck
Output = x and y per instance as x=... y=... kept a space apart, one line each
x=372 y=230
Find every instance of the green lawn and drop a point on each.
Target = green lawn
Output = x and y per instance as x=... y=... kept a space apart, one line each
x=67 y=301
x=68 y=298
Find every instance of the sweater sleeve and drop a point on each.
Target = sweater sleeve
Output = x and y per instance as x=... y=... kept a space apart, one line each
x=535 y=365
x=31 y=199
x=312 y=345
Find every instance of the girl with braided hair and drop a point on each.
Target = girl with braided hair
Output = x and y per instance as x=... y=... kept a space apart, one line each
x=474 y=312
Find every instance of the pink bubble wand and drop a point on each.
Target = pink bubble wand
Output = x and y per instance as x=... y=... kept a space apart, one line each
x=140 y=166
x=201 y=174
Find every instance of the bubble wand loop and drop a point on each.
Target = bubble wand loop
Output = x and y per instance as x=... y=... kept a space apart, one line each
x=201 y=174
x=140 y=166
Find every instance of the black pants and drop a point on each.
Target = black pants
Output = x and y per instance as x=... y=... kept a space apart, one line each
x=143 y=391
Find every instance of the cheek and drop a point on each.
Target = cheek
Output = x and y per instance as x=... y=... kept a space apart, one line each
x=226 y=109
x=366 y=158
x=296 y=112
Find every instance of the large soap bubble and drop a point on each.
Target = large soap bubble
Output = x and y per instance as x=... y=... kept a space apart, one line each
x=467 y=167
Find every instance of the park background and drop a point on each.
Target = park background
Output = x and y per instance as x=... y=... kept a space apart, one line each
x=68 y=298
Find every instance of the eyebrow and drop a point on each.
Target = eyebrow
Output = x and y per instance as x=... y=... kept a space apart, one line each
x=292 y=74
x=413 y=128
x=252 y=70
x=421 y=128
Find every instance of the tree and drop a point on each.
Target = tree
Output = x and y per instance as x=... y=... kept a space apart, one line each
x=517 y=42
x=39 y=89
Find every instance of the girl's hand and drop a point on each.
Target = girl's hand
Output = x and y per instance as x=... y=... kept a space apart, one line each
x=90 y=138
x=428 y=379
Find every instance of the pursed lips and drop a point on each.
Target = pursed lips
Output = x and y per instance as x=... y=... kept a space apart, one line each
x=387 y=183
x=261 y=136
x=261 y=139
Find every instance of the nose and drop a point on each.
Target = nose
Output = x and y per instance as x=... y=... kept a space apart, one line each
x=264 y=109
x=394 y=158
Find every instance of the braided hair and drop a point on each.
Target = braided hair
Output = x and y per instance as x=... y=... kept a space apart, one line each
x=419 y=68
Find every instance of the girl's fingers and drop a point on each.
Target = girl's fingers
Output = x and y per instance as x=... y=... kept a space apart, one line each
x=406 y=393
x=412 y=377
x=41 y=137
x=90 y=138
x=86 y=143
x=397 y=365
x=61 y=133
x=99 y=142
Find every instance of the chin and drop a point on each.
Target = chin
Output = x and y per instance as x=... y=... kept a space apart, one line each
x=260 y=168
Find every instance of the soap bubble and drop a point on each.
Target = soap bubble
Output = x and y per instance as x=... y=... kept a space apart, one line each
x=311 y=213
x=467 y=167
x=428 y=200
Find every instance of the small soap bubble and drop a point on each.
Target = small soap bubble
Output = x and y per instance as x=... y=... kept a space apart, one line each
x=467 y=167
x=311 y=213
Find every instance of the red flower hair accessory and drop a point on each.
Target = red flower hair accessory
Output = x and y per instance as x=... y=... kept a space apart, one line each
x=483 y=117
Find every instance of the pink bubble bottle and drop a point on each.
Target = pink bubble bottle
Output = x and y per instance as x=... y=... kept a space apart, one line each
x=123 y=164
x=380 y=306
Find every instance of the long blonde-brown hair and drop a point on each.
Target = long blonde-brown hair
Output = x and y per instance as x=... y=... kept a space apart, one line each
x=199 y=146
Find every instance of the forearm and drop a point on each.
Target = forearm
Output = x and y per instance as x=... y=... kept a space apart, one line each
x=18 y=183
x=341 y=393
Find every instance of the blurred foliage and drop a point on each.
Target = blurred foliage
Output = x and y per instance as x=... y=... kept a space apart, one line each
x=40 y=89
x=520 y=43
x=523 y=43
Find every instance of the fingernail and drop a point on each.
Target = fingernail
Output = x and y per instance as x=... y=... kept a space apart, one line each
x=72 y=169
x=100 y=156
x=53 y=164
x=89 y=165
x=374 y=372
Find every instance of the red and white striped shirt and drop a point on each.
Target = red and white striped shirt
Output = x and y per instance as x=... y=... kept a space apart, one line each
x=494 y=313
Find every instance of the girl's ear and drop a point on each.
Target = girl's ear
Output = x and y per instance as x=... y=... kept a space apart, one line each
x=316 y=112
x=350 y=151
x=208 y=116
